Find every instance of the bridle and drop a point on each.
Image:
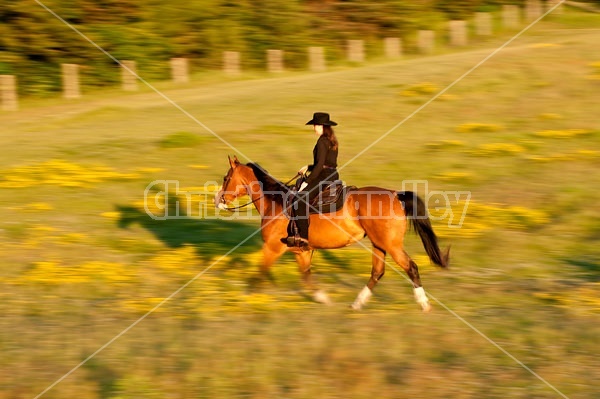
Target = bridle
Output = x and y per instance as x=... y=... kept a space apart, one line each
x=221 y=204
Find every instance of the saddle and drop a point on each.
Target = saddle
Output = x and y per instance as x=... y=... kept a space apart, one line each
x=330 y=199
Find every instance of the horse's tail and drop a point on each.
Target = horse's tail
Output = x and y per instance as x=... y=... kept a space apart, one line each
x=416 y=214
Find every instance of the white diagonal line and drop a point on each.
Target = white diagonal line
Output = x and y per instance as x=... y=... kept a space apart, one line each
x=165 y=300
x=491 y=341
x=168 y=99
x=472 y=327
x=382 y=258
x=450 y=85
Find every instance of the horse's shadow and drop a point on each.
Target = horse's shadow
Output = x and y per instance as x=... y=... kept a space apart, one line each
x=215 y=237
x=210 y=237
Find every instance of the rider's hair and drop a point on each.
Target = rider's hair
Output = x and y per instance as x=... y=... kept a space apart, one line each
x=330 y=134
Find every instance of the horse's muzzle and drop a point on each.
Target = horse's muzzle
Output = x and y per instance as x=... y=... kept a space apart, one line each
x=220 y=201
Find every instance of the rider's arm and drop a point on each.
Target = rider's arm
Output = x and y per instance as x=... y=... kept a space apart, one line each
x=322 y=147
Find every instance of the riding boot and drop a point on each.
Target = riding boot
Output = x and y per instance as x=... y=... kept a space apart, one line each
x=302 y=214
x=302 y=238
x=298 y=228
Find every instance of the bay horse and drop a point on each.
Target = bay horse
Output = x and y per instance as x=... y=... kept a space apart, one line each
x=382 y=215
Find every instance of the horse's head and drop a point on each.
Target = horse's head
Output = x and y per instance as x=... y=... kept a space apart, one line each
x=236 y=183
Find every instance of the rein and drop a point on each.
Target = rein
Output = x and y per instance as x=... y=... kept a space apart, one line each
x=231 y=209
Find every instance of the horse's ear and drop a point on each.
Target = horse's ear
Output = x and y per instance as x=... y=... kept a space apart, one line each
x=232 y=162
x=237 y=161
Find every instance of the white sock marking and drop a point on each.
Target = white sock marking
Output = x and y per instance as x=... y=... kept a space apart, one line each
x=362 y=298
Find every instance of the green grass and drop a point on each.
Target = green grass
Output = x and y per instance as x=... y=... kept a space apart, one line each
x=81 y=260
x=182 y=140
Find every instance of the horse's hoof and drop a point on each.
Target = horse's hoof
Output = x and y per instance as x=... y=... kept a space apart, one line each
x=426 y=307
x=321 y=297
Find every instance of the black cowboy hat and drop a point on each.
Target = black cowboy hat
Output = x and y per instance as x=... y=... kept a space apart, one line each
x=321 y=118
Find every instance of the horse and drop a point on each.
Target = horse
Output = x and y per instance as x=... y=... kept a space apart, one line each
x=380 y=214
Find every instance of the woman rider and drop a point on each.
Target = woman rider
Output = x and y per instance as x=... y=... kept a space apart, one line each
x=323 y=171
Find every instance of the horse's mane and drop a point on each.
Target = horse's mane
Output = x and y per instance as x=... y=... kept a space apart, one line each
x=272 y=188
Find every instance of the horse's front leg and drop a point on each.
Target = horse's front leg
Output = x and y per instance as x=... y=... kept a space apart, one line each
x=304 y=259
x=271 y=251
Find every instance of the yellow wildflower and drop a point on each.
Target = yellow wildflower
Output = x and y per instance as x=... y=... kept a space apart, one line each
x=149 y=170
x=38 y=206
x=563 y=134
x=451 y=176
x=544 y=45
x=444 y=144
x=449 y=97
x=497 y=149
x=409 y=93
x=111 y=215
x=478 y=128
x=595 y=64
x=550 y=116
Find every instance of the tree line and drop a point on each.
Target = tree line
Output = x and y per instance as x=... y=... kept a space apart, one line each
x=33 y=42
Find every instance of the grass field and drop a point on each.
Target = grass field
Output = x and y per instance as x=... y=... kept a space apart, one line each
x=81 y=261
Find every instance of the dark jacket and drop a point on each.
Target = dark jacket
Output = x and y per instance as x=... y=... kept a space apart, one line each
x=324 y=166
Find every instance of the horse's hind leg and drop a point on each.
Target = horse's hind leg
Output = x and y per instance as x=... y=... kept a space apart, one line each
x=304 y=260
x=411 y=269
x=377 y=273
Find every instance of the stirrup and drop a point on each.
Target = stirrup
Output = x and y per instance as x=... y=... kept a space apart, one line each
x=295 y=241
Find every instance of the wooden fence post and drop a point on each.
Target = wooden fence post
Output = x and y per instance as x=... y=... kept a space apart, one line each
x=425 y=41
x=180 y=70
x=483 y=23
x=129 y=75
x=393 y=47
x=70 y=79
x=458 y=33
x=8 y=87
x=231 y=62
x=316 y=59
x=533 y=9
x=356 y=51
x=511 y=16
x=275 y=61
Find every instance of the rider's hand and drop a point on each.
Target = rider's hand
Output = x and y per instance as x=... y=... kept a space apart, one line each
x=303 y=170
x=303 y=186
